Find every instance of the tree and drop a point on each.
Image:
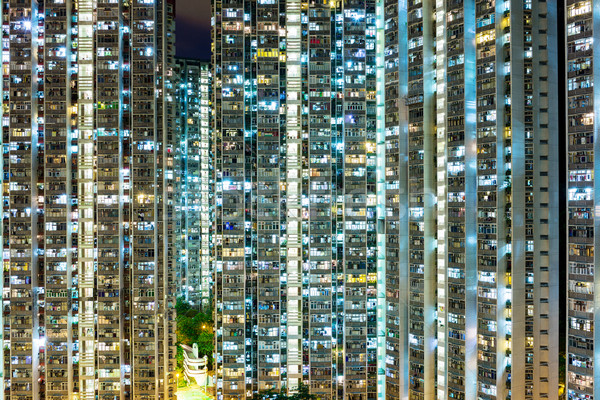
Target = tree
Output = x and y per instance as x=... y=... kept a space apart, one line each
x=272 y=395
x=187 y=330
x=179 y=357
x=303 y=393
x=206 y=346
x=195 y=326
x=182 y=306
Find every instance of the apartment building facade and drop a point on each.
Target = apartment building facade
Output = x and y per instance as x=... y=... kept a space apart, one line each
x=581 y=69
x=386 y=197
x=472 y=161
x=88 y=178
x=296 y=219
x=194 y=179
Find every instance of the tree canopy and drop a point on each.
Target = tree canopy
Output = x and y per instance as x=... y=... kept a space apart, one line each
x=195 y=326
x=303 y=393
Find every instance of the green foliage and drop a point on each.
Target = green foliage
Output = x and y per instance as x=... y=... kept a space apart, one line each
x=182 y=306
x=195 y=326
x=272 y=395
x=179 y=357
x=205 y=343
x=303 y=393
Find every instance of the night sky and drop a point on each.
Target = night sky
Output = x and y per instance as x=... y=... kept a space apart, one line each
x=193 y=28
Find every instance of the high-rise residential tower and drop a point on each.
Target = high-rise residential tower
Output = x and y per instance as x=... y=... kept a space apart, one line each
x=88 y=186
x=296 y=219
x=582 y=19
x=471 y=197
x=386 y=191
x=194 y=182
